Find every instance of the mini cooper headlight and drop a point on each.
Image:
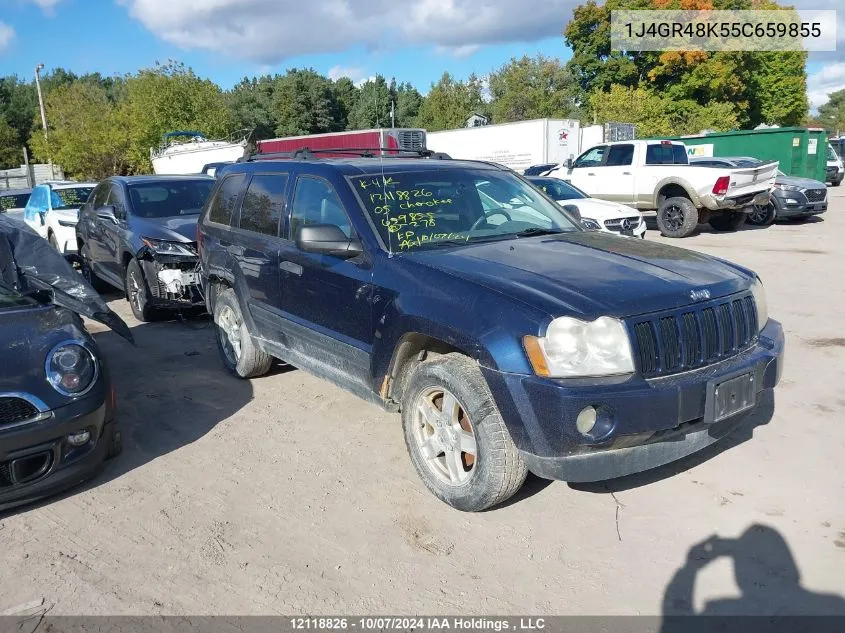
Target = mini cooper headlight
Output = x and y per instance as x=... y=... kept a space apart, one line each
x=760 y=304
x=71 y=368
x=572 y=347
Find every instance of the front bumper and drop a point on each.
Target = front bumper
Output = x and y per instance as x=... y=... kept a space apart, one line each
x=801 y=208
x=36 y=460
x=655 y=421
x=173 y=281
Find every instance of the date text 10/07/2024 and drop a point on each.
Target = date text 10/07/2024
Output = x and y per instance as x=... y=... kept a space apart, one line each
x=432 y=623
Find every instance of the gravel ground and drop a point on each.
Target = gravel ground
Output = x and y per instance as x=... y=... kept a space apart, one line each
x=287 y=495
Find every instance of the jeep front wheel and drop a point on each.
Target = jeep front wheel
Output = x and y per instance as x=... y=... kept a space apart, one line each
x=677 y=217
x=456 y=438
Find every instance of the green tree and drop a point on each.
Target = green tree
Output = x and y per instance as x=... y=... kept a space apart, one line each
x=533 y=88
x=345 y=95
x=372 y=106
x=170 y=97
x=655 y=115
x=87 y=135
x=10 y=148
x=832 y=113
x=251 y=106
x=18 y=107
x=450 y=103
x=408 y=104
x=304 y=103
x=764 y=87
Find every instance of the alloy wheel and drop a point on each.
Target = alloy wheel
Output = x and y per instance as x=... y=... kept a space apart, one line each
x=229 y=326
x=444 y=436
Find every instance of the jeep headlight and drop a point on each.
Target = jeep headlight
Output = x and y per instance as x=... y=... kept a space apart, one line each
x=71 y=368
x=572 y=347
x=760 y=304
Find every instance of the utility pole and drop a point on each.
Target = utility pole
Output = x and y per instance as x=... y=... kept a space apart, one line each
x=38 y=70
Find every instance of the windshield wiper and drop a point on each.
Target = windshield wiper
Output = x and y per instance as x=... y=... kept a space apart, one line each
x=536 y=230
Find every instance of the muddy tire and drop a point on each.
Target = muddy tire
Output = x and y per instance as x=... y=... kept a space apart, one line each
x=138 y=292
x=456 y=438
x=240 y=354
x=677 y=217
x=729 y=221
x=763 y=215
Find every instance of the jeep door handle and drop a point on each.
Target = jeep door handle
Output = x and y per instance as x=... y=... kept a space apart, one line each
x=290 y=267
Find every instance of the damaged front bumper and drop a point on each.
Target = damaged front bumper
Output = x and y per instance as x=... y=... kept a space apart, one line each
x=173 y=280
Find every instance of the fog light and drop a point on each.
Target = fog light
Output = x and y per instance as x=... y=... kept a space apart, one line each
x=791 y=201
x=586 y=420
x=79 y=438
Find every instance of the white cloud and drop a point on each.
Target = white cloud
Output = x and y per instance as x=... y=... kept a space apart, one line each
x=46 y=5
x=7 y=34
x=820 y=84
x=352 y=72
x=269 y=31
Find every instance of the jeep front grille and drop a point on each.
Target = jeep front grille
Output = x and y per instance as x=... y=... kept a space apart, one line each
x=694 y=336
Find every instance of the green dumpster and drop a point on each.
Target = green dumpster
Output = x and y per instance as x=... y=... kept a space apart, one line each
x=801 y=151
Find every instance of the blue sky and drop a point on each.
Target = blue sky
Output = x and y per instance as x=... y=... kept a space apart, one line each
x=413 y=40
x=66 y=36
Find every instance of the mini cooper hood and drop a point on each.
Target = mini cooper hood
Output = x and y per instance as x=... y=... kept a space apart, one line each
x=29 y=264
x=590 y=274
x=179 y=228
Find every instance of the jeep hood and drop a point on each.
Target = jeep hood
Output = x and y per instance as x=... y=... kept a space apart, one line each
x=590 y=274
x=28 y=264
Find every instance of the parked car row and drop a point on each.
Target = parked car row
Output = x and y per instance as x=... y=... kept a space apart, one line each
x=474 y=303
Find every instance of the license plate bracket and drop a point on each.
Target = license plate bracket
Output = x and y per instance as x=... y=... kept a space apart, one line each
x=733 y=396
x=627 y=232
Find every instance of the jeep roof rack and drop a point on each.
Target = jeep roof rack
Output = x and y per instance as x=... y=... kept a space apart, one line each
x=306 y=153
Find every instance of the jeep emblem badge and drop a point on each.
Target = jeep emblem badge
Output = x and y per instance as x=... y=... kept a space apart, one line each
x=699 y=295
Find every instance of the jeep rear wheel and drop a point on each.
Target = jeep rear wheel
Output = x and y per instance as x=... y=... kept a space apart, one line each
x=728 y=221
x=239 y=352
x=456 y=438
x=677 y=217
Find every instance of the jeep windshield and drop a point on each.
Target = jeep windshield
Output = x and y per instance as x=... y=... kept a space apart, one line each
x=421 y=210
x=72 y=198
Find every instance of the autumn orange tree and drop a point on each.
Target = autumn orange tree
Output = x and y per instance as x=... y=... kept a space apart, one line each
x=760 y=87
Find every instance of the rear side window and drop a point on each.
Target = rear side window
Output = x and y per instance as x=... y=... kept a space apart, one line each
x=670 y=154
x=264 y=203
x=225 y=200
x=316 y=202
x=620 y=155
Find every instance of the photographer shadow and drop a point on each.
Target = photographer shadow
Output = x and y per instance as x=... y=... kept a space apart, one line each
x=767 y=576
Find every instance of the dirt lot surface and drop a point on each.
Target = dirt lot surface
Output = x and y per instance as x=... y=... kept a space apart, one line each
x=288 y=495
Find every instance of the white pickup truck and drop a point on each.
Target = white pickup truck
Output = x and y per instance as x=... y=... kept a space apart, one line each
x=657 y=176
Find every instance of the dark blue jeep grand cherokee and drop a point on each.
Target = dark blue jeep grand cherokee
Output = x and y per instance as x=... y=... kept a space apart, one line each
x=509 y=338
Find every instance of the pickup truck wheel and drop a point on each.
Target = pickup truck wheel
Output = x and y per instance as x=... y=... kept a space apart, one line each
x=457 y=440
x=729 y=221
x=677 y=217
x=239 y=352
x=763 y=215
x=138 y=293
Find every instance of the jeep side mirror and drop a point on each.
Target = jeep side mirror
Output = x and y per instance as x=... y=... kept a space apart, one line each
x=107 y=213
x=327 y=239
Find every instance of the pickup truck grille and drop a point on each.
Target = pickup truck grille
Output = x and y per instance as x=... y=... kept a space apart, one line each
x=695 y=336
x=816 y=195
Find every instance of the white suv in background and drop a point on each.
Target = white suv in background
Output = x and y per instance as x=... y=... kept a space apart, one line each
x=53 y=211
